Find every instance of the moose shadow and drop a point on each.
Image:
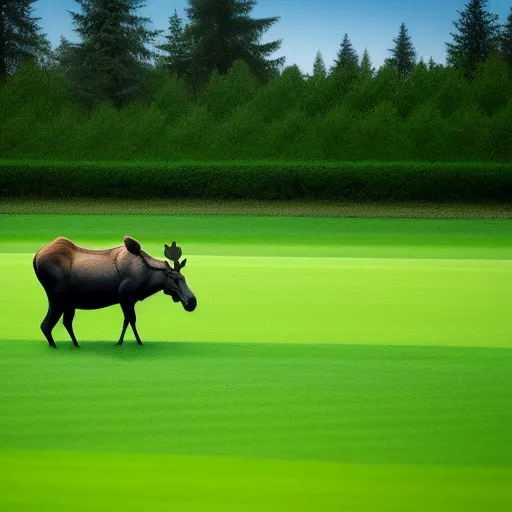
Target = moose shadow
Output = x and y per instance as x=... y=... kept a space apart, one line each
x=133 y=351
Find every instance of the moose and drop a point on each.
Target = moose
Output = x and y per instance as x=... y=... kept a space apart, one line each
x=77 y=278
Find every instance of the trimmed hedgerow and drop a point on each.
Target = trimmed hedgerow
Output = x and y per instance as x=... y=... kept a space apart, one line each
x=258 y=180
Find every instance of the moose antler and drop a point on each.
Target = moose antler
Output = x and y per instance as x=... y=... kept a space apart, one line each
x=174 y=253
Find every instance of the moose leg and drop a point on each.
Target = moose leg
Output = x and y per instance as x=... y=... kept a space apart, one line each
x=69 y=314
x=129 y=314
x=125 y=325
x=51 y=318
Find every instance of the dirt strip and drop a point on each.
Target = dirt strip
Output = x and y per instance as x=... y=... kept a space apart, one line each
x=239 y=207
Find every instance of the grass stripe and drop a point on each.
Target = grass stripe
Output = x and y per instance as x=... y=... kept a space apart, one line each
x=343 y=404
x=299 y=300
x=269 y=236
x=96 y=481
x=266 y=250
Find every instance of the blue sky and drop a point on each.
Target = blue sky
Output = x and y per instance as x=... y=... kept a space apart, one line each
x=307 y=26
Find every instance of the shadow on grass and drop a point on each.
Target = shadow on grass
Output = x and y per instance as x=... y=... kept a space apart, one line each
x=130 y=350
x=154 y=350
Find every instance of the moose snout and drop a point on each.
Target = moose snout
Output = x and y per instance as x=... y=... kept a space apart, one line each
x=190 y=304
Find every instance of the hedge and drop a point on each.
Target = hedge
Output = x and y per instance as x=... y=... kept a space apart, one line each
x=258 y=180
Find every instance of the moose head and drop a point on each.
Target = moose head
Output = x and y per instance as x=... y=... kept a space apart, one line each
x=176 y=285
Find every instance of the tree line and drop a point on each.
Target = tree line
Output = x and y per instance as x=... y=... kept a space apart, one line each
x=211 y=90
x=116 y=49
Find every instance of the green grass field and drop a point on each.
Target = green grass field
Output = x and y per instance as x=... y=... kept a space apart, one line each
x=331 y=364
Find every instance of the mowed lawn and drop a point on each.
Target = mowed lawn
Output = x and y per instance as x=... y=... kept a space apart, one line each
x=331 y=364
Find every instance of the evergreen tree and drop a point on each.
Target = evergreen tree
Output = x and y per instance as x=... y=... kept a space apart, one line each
x=58 y=60
x=319 y=70
x=432 y=64
x=177 y=49
x=347 y=58
x=477 y=37
x=367 y=71
x=224 y=94
x=20 y=36
x=62 y=51
x=110 y=62
x=388 y=63
x=403 y=54
x=491 y=87
x=222 y=32
x=506 y=40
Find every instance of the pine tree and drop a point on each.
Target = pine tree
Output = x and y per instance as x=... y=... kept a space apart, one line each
x=60 y=58
x=222 y=32
x=319 y=70
x=477 y=37
x=177 y=49
x=431 y=64
x=403 y=54
x=347 y=58
x=367 y=71
x=110 y=62
x=506 y=40
x=20 y=36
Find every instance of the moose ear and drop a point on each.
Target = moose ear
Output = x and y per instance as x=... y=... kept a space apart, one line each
x=183 y=263
x=132 y=245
